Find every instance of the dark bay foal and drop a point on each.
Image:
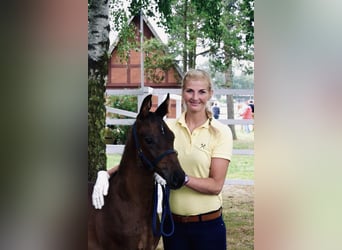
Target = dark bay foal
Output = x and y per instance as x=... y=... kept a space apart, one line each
x=125 y=221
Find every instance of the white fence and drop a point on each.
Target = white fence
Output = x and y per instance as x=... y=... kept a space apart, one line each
x=175 y=94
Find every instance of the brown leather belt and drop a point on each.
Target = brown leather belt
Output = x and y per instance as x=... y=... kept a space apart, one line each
x=197 y=218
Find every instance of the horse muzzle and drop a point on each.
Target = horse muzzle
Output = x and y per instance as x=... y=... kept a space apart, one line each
x=176 y=180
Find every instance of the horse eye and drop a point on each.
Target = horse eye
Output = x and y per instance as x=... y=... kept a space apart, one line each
x=148 y=140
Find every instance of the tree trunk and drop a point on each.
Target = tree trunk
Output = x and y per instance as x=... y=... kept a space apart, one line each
x=98 y=44
x=230 y=114
x=192 y=47
x=185 y=37
x=230 y=100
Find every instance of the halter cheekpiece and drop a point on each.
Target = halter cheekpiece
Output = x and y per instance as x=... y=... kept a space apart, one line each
x=144 y=159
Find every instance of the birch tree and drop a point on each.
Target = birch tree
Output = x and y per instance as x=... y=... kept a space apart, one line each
x=98 y=43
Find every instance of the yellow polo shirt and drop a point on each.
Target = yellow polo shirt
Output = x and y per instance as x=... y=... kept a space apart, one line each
x=195 y=151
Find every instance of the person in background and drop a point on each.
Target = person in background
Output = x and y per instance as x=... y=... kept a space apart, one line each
x=216 y=111
x=251 y=104
x=204 y=148
x=246 y=114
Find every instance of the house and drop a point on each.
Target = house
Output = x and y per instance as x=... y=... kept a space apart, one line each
x=123 y=75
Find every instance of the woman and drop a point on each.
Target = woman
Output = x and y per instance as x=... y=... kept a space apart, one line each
x=204 y=148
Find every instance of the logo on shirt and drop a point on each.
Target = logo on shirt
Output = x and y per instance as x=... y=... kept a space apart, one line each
x=202 y=145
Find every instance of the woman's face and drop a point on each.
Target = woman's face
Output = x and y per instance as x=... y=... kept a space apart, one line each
x=196 y=94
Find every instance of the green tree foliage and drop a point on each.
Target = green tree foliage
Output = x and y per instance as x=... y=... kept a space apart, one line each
x=186 y=28
x=151 y=7
x=237 y=40
x=157 y=60
x=236 y=43
x=222 y=29
x=121 y=26
x=225 y=27
x=247 y=13
x=210 y=12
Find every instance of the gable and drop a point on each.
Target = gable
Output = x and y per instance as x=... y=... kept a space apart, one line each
x=128 y=74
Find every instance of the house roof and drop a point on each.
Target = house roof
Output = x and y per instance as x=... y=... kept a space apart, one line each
x=149 y=25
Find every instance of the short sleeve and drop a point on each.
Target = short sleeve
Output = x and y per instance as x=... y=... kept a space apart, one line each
x=223 y=147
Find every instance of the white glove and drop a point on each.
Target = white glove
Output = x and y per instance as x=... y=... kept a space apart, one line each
x=160 y=180
x=100 y=189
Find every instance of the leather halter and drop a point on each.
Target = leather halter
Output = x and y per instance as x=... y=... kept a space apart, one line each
x=166 y=213
x=144 y=159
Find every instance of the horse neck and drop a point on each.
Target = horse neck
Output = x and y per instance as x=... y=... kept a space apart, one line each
x=133 y=175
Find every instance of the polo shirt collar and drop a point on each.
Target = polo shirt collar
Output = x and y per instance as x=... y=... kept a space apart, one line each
x=181 y=121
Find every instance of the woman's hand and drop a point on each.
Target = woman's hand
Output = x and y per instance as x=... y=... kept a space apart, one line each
x=102 y=185
x=100 y=189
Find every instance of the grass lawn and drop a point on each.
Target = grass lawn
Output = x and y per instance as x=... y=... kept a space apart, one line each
x=244 y=140
x=238 y=215
x=113 y=160
x=241 y=167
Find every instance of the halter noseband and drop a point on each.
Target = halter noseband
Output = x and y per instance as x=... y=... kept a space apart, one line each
x=144 y=159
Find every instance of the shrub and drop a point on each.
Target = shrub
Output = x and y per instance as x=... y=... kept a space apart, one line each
x=118 y=133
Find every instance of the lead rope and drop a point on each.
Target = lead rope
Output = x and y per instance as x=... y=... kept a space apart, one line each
x=166 y=212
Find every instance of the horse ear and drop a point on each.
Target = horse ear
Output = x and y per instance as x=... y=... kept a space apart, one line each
x=145 y=106
x=163 y=108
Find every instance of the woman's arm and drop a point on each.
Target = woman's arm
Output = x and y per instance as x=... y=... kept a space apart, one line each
x=102 y=185
x=214 y=183
x=112 y=170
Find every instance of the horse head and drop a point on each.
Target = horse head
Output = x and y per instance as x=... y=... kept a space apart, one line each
x=154 y=141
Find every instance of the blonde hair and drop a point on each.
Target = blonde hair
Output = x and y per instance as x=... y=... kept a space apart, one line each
x=199 y=74
x=196 y=74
